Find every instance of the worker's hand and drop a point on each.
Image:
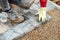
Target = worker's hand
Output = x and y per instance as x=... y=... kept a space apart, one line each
x=42 y=14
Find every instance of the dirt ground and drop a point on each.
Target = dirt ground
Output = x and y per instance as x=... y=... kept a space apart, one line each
x=48 y=31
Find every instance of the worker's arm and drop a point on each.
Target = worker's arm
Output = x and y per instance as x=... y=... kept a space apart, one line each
x=42 y=12
x=43 y=3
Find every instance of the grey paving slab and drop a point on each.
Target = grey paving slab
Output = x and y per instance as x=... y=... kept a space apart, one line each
x=9 y=35
x=18 y=30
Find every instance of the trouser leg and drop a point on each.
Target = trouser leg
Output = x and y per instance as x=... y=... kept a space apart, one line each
x=5 y=5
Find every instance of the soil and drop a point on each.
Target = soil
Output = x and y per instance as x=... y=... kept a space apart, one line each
x=48 y=31
x=55 y=0
x=58 y=3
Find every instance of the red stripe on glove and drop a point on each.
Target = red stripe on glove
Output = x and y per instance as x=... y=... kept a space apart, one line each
x=43 y=3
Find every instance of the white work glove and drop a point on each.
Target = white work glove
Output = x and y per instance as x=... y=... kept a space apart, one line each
x=3 y=17
x=42 y=14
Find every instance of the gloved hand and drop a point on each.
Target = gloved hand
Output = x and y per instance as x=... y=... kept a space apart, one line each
x=42 y=14
x=42 y=11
